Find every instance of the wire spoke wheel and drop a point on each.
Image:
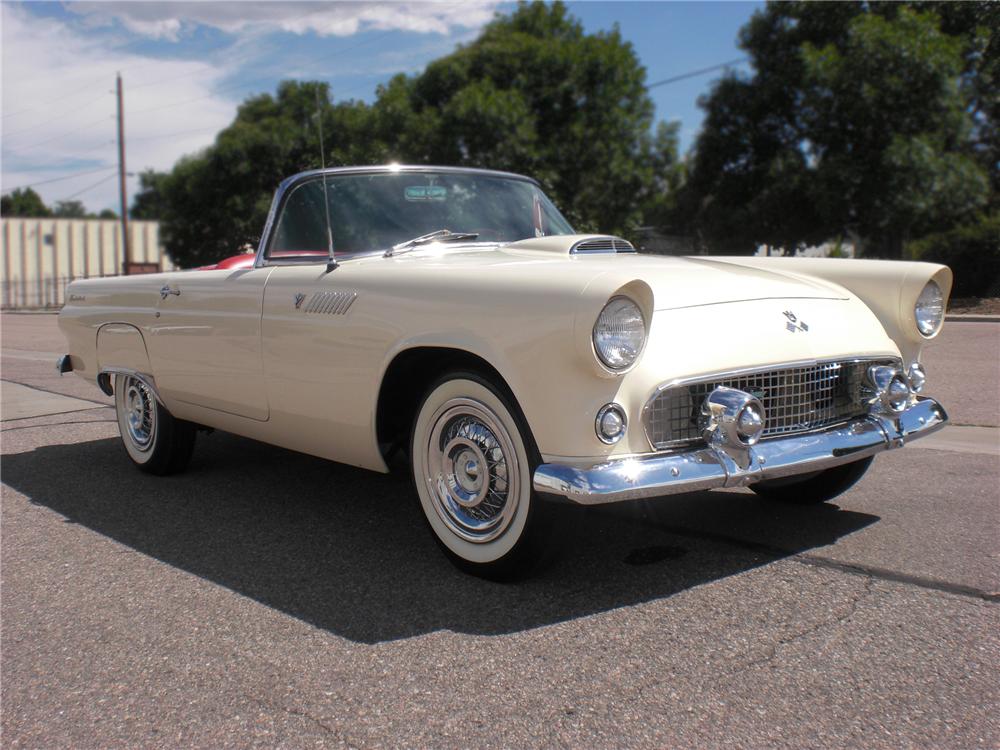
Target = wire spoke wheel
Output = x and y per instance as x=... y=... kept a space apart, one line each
x=473 y=473
x=140 y=413
x=153 y=439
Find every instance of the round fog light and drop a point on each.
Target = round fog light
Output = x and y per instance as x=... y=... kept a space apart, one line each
x=750 y=424
x=610 y=423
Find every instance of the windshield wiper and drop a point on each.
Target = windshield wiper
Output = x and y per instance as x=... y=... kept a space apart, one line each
x=441 y=235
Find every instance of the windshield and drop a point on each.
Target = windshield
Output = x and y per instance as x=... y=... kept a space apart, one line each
x=374 y=212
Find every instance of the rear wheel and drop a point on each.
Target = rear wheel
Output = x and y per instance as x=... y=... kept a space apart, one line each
x=156 y=442
x=815 y=488
x=472 y=461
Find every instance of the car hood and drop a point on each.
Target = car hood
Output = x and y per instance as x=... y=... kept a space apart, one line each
x=676 y=282
x=695 y=282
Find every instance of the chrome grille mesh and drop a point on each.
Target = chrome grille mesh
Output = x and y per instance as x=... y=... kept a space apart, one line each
x=795 y=399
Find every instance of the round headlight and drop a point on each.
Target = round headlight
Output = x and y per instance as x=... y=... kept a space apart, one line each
x=619 y=333
x=929 y=310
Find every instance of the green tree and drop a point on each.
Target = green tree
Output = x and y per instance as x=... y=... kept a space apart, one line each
x=70 y=210
x=23 y=202
x=533 y=94
x=149 y=202
x=859 y=121
x=536 y=94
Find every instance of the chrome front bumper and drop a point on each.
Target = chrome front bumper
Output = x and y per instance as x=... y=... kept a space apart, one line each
x=710 y=467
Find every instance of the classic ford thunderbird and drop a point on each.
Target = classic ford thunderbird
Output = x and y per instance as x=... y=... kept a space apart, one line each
x=453 y=315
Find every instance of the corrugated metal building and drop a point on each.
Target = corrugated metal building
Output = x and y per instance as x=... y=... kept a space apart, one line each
x=40 y=256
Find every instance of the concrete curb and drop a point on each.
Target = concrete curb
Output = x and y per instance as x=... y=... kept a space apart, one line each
x=972 y=318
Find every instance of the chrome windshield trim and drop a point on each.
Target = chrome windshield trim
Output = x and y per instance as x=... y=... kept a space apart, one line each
x=290 y=182
x=707 y=468
x=726 y=374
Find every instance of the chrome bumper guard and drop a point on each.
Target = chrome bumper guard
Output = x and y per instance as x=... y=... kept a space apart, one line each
x=711 y=467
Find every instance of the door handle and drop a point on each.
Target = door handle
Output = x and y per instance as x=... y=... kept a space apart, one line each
x=165 y=290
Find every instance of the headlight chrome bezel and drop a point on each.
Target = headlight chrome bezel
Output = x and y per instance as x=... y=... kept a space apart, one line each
x=928 y=310
x=619 y=365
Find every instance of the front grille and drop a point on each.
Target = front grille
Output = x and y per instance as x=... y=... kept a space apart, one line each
x=795 y=399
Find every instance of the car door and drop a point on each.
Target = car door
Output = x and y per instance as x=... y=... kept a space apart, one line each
x=205 y=346
x=321 y=354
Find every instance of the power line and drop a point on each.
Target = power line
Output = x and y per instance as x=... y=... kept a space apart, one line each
x=60 y=179
x=53 y=119
x=699 y=72
x=88 y=126
x=90 y=187
x=93 y=82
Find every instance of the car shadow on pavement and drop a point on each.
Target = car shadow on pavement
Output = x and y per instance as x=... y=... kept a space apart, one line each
x=347 y=550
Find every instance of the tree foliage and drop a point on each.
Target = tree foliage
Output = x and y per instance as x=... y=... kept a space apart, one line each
x=23 y=202
x=70 y=210
x=533 y=94
x=873 y=120
x=26 y=202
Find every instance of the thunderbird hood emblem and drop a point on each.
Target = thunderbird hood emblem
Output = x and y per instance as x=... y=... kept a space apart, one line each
x=793 y=324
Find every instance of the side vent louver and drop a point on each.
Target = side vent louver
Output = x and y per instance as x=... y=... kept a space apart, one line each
x=330 y=303
x=602 y=245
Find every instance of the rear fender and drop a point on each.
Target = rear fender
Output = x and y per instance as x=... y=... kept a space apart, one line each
x=121 y=349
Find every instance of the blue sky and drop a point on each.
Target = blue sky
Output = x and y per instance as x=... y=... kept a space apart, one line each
x=187 y=65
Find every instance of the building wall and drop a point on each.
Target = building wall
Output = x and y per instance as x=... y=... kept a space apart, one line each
x=41 y=256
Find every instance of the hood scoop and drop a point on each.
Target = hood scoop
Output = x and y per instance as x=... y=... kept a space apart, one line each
x=602 y=245
x=575 y=244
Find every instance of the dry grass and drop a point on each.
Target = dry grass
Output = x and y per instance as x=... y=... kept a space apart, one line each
x=975 y=305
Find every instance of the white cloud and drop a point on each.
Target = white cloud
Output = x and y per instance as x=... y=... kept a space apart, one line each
x=59 y=109
x=170 y=20
x=58 y=76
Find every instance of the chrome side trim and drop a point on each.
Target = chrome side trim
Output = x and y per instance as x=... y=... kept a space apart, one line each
x=106 y=384
x=708 y=468
x=331 y=303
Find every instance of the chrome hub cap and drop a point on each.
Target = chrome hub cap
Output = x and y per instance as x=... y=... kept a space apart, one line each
x=140 y=413
x=472 y=470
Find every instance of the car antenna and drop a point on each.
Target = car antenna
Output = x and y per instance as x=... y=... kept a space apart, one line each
x=331 y=261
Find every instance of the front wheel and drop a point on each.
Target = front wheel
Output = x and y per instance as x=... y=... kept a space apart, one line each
x=154 y=439
x=472 y=461
x=815 y=488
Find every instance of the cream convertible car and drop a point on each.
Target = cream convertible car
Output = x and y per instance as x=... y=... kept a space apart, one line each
x=454 y=314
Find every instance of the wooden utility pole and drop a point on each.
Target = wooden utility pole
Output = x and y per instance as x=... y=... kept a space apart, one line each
x=121 y=177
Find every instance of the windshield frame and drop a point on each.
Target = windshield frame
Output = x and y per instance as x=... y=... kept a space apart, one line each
x=289 y=184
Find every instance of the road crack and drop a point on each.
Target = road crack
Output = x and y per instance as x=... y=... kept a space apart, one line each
x=852 y=608
x=302 y=714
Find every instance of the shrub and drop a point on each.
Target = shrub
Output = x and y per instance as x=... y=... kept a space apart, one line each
x=971 y=250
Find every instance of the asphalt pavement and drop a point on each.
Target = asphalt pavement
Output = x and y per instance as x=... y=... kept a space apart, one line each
x=266 y=598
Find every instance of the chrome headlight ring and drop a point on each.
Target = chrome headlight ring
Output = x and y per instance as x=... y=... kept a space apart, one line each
x=928 y=311
x=619 y=334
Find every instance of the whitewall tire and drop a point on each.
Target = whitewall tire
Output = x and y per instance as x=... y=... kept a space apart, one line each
x=154 y=440
x=472 y=459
